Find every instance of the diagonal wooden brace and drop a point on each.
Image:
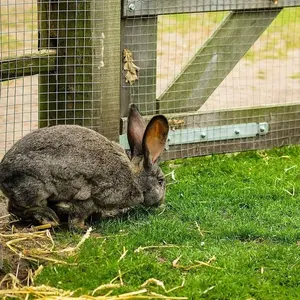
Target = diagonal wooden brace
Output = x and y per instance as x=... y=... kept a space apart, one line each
x=214 y=61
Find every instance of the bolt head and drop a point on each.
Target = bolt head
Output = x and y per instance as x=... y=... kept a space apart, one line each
x=203 y=135
x=237 y=131
x=131 y=6
x=262 y=129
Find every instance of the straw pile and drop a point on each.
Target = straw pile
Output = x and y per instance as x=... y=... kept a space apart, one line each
x=23 y=250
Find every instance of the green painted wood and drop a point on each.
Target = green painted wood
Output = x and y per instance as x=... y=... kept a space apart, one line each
x=140 y=37
x=159 y=7
x=39 y=62
x=214 y=61
x=106 y=27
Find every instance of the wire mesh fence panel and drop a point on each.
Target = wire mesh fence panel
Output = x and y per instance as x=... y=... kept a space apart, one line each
x=227 y=72
x=18 y=97
x=55 y=56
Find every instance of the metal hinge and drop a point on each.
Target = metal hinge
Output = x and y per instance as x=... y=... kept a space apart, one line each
x=208 y=134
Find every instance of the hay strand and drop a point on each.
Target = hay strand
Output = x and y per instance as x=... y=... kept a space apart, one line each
x=197 y=264
x=139 y=249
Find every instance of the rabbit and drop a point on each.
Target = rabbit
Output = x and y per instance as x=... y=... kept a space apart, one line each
x=73 y=172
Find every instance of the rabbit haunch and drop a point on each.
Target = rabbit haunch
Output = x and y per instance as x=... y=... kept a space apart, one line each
x=71 y=171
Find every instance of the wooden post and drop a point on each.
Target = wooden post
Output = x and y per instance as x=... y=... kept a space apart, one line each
x=140 y=37
x=84 y=90
x=106 y=26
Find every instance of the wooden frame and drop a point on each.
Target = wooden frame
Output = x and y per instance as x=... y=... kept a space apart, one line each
x=81 y=78
x=136 y=8
x=208 y=68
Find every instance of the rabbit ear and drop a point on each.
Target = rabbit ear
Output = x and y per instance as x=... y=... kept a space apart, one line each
x=135 y=131
x=154 y=139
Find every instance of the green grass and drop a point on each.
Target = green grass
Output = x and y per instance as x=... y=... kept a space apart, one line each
x=295 y=75
x=249 y=203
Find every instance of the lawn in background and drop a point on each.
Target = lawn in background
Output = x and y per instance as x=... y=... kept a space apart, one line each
x=239 y=213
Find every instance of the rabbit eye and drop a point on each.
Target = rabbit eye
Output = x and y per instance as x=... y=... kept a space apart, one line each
x=161 y=181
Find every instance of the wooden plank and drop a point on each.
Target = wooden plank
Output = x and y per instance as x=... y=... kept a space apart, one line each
x=158 y=7
x=39 y=62
x=283 y=121
x=140 y=37
x=214 y=61
x=106 y=29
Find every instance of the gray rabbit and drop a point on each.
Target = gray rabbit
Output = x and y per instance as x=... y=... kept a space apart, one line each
x=74 y=172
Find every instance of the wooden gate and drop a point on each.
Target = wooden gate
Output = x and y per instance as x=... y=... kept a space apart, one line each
x=193 y=86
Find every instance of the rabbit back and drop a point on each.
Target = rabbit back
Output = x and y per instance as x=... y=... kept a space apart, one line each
x=68 y=163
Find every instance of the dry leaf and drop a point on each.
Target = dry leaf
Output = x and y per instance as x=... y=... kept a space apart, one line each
x=175 y=124
x=131 y=69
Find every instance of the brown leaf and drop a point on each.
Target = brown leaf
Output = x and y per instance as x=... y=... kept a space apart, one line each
x=174 y=123
x=131 y=74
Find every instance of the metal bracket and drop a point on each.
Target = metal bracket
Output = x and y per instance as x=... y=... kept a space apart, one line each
x=208 y=134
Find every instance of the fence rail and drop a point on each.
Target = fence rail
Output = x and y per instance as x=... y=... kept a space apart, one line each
x=41 y=62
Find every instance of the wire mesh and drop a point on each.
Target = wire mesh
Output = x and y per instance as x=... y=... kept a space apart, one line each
x=50 y=69
x=202 y=69
x=219 y=68
x=18 y=98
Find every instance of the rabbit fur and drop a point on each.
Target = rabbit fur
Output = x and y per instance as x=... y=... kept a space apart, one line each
x=74 y=172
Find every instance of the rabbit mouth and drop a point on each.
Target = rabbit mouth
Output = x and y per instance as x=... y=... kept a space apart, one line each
x=153 y=201
x=158 y=204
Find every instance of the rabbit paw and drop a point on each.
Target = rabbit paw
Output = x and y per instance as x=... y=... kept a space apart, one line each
x=43 y=215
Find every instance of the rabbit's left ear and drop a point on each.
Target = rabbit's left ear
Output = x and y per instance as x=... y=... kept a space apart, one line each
x=154 y=139
x=135 y=130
